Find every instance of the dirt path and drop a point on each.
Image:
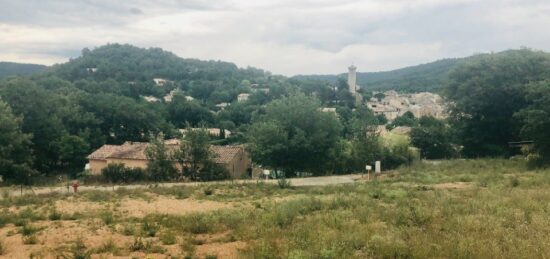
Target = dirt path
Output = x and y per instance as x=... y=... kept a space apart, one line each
x=308 y=181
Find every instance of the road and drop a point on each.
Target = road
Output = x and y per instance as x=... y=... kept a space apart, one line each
x=308 y=181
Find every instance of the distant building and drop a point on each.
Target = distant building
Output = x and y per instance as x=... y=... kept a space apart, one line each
x=216 y=132
x=222 y=105
x=151 y=99
x=132 y=154
x=161 y=81
x=243 y=97
x=326 y=109
x=352 y=84
x=394 y=104
x=91 y=69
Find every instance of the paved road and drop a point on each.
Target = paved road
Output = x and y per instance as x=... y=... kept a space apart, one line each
x=309 y=181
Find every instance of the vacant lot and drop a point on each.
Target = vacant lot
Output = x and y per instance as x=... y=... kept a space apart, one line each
x=466 y=209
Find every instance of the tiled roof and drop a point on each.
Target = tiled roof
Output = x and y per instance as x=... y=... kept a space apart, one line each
x=104 y=151
x=136 y=151
x=131 y=150
x=224 y=154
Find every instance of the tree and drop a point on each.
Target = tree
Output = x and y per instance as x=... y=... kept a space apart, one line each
x=194 y=152
x=15 y=151
x=433 y=138
x=486 y=91
x=536 y=119
x=294 y=135
x=72 y=152
x=407 y=119
x=160 y=164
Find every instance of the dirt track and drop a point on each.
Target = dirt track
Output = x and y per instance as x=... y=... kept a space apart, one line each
x=308 y=181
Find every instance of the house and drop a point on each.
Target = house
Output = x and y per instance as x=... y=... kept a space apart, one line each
x=216 y=132
x=243 y=97
x=222 y=106
x=151 y=99
x=91 y=69
x=161 y=81
x=132 y=154
x=329 y=110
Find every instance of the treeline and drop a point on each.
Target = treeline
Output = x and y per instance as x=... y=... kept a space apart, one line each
x=430 y=77
x=12 y=69
x=50 y=122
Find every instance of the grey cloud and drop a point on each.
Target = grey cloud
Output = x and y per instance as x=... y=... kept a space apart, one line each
x=286 y=36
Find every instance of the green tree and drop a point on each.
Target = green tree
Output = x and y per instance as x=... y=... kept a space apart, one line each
x=294 y=135
x=536 y=119
x=407 y=119
x=15 y=151
x=484 y=94
x=433 y=138
x=194 y=152
x=72 y=153
x=160 y=164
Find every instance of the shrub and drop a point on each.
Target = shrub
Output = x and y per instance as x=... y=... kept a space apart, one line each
x=284 y=183
x=2 y=247
x=137 y=245
x=213 y=172
x=54 y=215
x=107 y=247
x=30 y=240
x=28 y=230
x=208 y=191
x=150 y=229
x=118 y=173
x=168 y=238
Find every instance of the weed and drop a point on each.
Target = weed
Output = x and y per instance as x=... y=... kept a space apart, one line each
x=108 y=246
x=168 y=238
x=30 y=240
x=284 y=183
x=2 y=247
x=128 y=230
x=137 y=245
x=208 y=191
x=54 y=215
x=149 y=229
x=28 y=230
x=514 y=182
x=107 y=217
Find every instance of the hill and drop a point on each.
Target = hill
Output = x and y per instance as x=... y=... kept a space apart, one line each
x=11 y=69
x=425 y=77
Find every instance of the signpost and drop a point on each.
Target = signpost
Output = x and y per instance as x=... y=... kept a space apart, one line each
x=369 y=168
x=266 y=173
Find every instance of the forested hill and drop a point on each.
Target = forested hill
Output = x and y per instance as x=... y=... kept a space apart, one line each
x=129 y=63
x=424 y=77
x=11 y=68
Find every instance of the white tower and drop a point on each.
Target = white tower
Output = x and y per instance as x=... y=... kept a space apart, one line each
x=352 y=80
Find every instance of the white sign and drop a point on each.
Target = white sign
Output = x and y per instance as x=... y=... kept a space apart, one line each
x=368 y=167
x=267 y=172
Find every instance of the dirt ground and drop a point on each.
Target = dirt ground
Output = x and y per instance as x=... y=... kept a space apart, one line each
x=54 y=238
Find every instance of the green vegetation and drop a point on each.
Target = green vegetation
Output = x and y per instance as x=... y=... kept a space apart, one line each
x=428 y=77
x=13 y=69
x=458 y=208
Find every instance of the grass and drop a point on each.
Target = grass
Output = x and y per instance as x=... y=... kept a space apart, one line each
x=499 y=210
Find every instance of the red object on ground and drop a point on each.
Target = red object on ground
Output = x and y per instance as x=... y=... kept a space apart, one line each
x=75 y=186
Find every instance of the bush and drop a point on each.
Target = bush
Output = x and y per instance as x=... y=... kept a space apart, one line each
x=213 y=172
x=284 y=183
x=118 y=173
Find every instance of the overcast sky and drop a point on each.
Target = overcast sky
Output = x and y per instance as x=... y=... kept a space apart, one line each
x=286 y=37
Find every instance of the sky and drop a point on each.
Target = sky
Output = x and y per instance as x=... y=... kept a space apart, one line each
x=286 y=37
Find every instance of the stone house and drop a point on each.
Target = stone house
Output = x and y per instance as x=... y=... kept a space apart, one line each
x=132 y=154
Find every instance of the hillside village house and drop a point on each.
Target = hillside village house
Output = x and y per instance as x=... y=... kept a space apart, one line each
x=132 y=154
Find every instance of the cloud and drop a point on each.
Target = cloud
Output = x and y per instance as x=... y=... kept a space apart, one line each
x=287 y=36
